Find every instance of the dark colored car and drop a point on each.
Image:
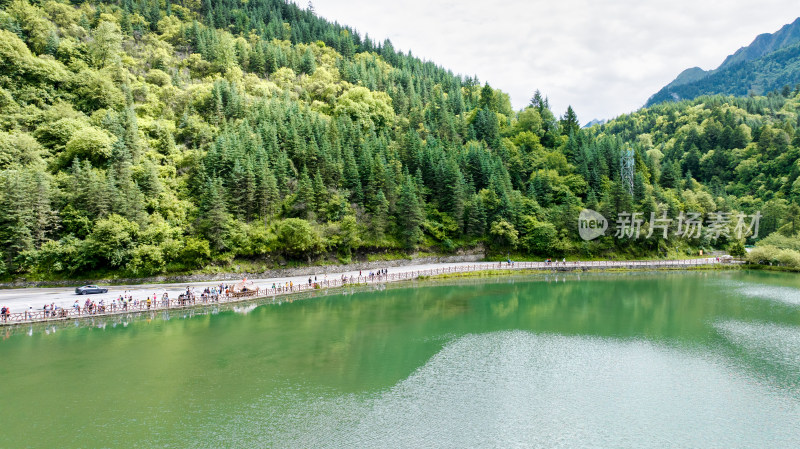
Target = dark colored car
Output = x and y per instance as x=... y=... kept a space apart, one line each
x=89 y=289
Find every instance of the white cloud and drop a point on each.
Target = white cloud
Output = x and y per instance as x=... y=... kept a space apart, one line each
x=603 y=58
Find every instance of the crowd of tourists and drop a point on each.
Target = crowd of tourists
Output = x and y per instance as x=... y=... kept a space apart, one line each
x=379 y=275
x=315 y=282
x=217 y=293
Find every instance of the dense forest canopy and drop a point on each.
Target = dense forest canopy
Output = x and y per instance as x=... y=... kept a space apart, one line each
x=143 y=137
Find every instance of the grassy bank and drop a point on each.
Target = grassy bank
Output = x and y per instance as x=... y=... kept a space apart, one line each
x=752 y=266
x=575 y=258
x=538 y=272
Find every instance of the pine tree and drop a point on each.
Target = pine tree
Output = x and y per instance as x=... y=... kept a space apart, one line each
x=304 y=199
x=380 y=216
x=307 y=63
x=539 y=102
x=320 y=192
x=16 y=235
x=270 y=196
x=248 y=194
x=452 y=192
x=485 y=125
x=153 y=15
x=346 y=47
x=214 y=218
x=256 y=62
x=669 y=176
x=487 y=97
x=44 y=218
x=352 y=181
x=51 y=47
x=568 y=125
x=409 y=214
x=476 y=218
x=126 y=198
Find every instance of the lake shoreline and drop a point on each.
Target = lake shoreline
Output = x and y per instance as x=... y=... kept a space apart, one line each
x=476 y=270
x=501 y=273
x=305 y=270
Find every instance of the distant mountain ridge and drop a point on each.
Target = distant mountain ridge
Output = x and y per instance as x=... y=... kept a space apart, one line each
x=765 y=43
x=688 y=76
x=594 y=122
x=768 y=63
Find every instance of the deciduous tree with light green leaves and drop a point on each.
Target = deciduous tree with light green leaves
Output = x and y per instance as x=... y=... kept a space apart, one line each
x=105 y=43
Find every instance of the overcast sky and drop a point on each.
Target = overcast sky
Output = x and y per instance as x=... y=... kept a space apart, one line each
x=604 y=58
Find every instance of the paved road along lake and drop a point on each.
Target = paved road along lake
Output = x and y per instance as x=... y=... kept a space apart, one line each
x=672 y=359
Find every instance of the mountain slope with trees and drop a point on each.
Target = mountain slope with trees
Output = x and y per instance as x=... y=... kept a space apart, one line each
x=151 y=137
x=770 y=62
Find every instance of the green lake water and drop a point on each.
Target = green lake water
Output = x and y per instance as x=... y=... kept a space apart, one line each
x=699 y=359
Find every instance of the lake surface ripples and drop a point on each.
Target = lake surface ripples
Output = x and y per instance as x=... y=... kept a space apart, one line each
x=646 y=360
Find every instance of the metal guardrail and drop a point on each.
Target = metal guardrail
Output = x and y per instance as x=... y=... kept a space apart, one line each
x=116 y=308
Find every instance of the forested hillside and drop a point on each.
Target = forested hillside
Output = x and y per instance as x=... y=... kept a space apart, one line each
x=720 y=153
x=766 y=43
x=152 y=137
x=771 y=62
x=776 y=71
